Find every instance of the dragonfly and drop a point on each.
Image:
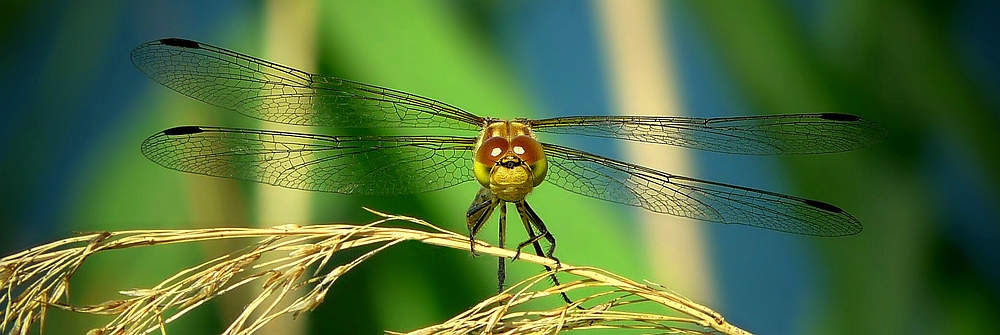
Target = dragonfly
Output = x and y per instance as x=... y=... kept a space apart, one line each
x=506 y=158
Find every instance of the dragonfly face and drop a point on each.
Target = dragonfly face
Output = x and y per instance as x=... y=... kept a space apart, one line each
x=508 y=159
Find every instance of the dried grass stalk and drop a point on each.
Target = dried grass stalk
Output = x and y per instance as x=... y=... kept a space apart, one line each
x=34 y=280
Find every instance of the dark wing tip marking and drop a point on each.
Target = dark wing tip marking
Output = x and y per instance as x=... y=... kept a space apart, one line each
x=824 y=206
x=839 y=117
x=180 y=43
x=182 y=130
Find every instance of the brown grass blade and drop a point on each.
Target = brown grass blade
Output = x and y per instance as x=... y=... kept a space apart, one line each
x=36 y=279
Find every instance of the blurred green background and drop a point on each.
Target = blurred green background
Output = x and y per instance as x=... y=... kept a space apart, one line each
x=75 y=110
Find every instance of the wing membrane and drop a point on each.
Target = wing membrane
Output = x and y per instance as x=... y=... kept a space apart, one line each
x=624 y=183
x=260 y=89
x=747 y=135
x=369 y=165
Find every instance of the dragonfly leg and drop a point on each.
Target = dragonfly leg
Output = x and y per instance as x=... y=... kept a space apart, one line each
x=501 y=262
x=542 y=231
x=532 y=239
x=481 y=209
x=528 y=218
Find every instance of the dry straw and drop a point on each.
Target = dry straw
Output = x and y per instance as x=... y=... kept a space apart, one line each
x=289 y=263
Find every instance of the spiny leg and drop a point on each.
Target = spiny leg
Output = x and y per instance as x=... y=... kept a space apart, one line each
x=525 y=211
x=532 y=238
x=528 y=218
x=501 y=264
x=479 y=212
x=481 y=209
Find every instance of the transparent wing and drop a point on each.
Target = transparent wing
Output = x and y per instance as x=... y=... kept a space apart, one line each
x=607 y=179
x=747 y=135
x=260 y=89
x=370 y=165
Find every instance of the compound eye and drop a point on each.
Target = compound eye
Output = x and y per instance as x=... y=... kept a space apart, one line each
x=492 y=150
x=527 y=148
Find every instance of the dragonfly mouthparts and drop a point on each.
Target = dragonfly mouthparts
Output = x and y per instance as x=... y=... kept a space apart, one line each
x=510 y=162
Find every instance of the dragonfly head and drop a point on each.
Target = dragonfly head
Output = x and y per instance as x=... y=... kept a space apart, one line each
x=510 y=167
